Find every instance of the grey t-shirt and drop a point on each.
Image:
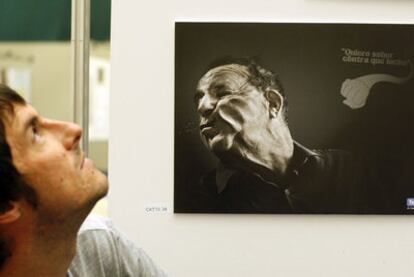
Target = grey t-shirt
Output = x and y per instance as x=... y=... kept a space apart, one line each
x=102 y=251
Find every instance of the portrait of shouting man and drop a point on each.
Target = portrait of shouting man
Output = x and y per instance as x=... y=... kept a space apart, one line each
x=242 y=109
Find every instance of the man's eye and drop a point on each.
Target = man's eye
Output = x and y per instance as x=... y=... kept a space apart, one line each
x=35 y=133
x=198 y=96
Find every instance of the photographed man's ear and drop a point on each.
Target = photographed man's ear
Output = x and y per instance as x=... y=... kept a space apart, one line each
x=275 y=102
x=11 y=213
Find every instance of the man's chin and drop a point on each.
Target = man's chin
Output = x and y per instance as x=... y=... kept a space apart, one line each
x=220 y=144
x=101 y=186
x=104 y=188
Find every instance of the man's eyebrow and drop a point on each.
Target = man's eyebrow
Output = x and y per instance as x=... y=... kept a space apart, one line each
x=218 y=86
x=198 y=95
x=198 y=91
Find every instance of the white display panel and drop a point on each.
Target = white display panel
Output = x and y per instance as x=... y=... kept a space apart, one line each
x=142 y=148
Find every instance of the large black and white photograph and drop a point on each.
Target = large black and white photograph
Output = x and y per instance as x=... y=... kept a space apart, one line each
x=294 y=118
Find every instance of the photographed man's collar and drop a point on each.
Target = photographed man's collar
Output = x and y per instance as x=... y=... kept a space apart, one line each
x=300 y=157
x=223 y=175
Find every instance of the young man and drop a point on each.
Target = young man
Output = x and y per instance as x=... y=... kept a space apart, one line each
x=47 y=189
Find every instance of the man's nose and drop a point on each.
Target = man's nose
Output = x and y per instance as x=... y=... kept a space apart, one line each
x=67 y=132
x=206 y=105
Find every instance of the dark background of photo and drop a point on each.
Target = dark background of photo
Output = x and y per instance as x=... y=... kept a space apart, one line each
x=308 y=59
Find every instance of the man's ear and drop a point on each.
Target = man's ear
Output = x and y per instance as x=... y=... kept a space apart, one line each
x=275 y=102
x=11 y=213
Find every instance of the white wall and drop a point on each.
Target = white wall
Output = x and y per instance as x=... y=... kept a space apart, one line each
x=51 y=73
x=141 y=158
x=50 y=68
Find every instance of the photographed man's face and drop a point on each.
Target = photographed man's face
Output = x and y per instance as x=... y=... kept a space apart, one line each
x=47 y=154
x=231 y=109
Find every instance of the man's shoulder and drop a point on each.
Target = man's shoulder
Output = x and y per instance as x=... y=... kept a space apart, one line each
x=96 y=243
x=98 y=233
x=333 y=156
x=104 y=251
x=324 y=153
x=96 y=222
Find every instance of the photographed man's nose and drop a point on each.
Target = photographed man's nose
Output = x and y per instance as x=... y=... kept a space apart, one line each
x=69 y=133
x=206 y=105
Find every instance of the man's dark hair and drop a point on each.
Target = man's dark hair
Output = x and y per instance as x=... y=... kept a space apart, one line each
x=259 y=77
x=12 y=183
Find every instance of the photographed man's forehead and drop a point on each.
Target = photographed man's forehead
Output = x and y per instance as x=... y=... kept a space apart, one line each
x=223 y=76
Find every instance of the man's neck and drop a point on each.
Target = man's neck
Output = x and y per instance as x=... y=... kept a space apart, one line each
x=34 y=255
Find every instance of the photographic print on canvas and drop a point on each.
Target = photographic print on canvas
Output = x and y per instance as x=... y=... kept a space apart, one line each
x=294 y=118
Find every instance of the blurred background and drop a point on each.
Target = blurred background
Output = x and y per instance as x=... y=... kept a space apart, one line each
x=36 y=60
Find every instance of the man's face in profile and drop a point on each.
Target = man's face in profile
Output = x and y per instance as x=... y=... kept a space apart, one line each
x=46 y=153
x=231 y=110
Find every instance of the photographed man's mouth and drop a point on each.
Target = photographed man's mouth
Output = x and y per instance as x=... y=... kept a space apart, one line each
x=205 y=125
x=207 y=129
